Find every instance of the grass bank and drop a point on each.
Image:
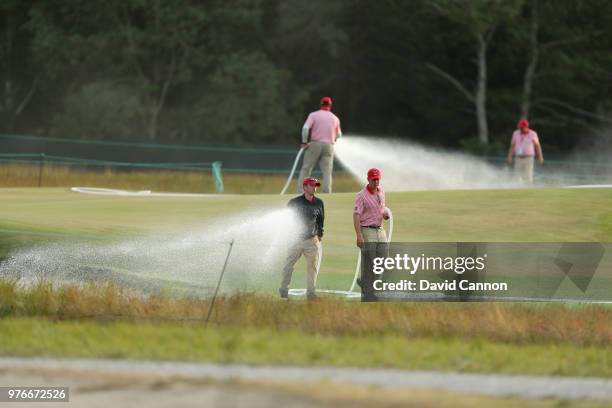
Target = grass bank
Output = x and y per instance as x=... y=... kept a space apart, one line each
x=194 y=342
x=516 y=323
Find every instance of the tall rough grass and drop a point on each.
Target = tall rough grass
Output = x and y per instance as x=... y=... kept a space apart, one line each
x=17 y=175
x=514 y=323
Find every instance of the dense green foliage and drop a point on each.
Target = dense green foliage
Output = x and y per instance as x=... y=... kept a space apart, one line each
x=446 y=72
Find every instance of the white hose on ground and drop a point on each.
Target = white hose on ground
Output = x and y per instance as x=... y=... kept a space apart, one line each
x=359 y=252
x=297 y=159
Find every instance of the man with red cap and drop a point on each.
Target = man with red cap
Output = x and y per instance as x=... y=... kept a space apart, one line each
x=370 y=211
x=524 y=145
x=319 y=133
x=369 y=214
x=311 y=213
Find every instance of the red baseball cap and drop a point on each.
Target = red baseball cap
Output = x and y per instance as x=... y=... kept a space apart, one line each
x=311 y=181
x=374 y=174
x=326 y=101
x=522 y=123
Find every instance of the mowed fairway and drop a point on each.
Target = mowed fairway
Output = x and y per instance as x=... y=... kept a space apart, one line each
x=533 y=215
x=536 y=215
x=481 y=337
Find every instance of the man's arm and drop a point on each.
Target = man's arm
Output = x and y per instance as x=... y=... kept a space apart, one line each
x=321 y=221
x=510 y=153
x=538 y=147
x=305 y=136
x=384 y=205
x=357 y=225
x=306 y=131
x=539 y=151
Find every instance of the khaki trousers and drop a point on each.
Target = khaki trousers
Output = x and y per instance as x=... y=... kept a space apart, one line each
x=310 y=249
x=323 y=153
x=375 y=242
x=523 y=168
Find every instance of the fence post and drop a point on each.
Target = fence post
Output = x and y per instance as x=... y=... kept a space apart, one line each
x=41 y=165
x=216 y=172
x=212 y=302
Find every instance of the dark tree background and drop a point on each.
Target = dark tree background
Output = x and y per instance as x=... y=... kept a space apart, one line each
x=455 y=73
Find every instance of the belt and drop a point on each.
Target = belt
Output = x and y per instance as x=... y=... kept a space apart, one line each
x=523 y=156
x=371 y=226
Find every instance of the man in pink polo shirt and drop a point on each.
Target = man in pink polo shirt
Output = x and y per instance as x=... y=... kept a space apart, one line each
x=524 y=145
x=319 y=133
x=369 y=214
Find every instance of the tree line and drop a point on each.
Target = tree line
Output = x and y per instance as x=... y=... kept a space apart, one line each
x=444 y=72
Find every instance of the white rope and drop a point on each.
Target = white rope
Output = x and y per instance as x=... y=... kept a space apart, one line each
x=591 y=186
x=108 y=191
x=143 y=193
x=297 y=159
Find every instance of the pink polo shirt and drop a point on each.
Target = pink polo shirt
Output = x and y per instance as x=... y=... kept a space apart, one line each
x=370 y=206
x=524 y=143
x=324 y=126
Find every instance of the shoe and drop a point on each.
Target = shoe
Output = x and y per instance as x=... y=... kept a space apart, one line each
x=311 y=296
x=284 y=294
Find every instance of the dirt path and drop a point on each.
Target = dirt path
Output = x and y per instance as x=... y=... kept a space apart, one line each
x=525 y=387
x=106 y=390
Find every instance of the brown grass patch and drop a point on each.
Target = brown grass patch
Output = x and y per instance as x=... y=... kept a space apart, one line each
x=514 y=323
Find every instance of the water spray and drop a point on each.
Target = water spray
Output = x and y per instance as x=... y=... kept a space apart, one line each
x=409 y=166
x=155 y=262
x=295 y=163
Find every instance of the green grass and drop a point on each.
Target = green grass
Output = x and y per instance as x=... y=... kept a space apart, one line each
x=480 y=338
x=194 y=342
x=534 y=215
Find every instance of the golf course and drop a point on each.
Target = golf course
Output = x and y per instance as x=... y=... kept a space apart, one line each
x=98 y=318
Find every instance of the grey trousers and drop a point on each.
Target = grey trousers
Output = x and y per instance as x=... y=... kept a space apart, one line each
x=310 y=249
x=375 y=245
x=323 y=153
